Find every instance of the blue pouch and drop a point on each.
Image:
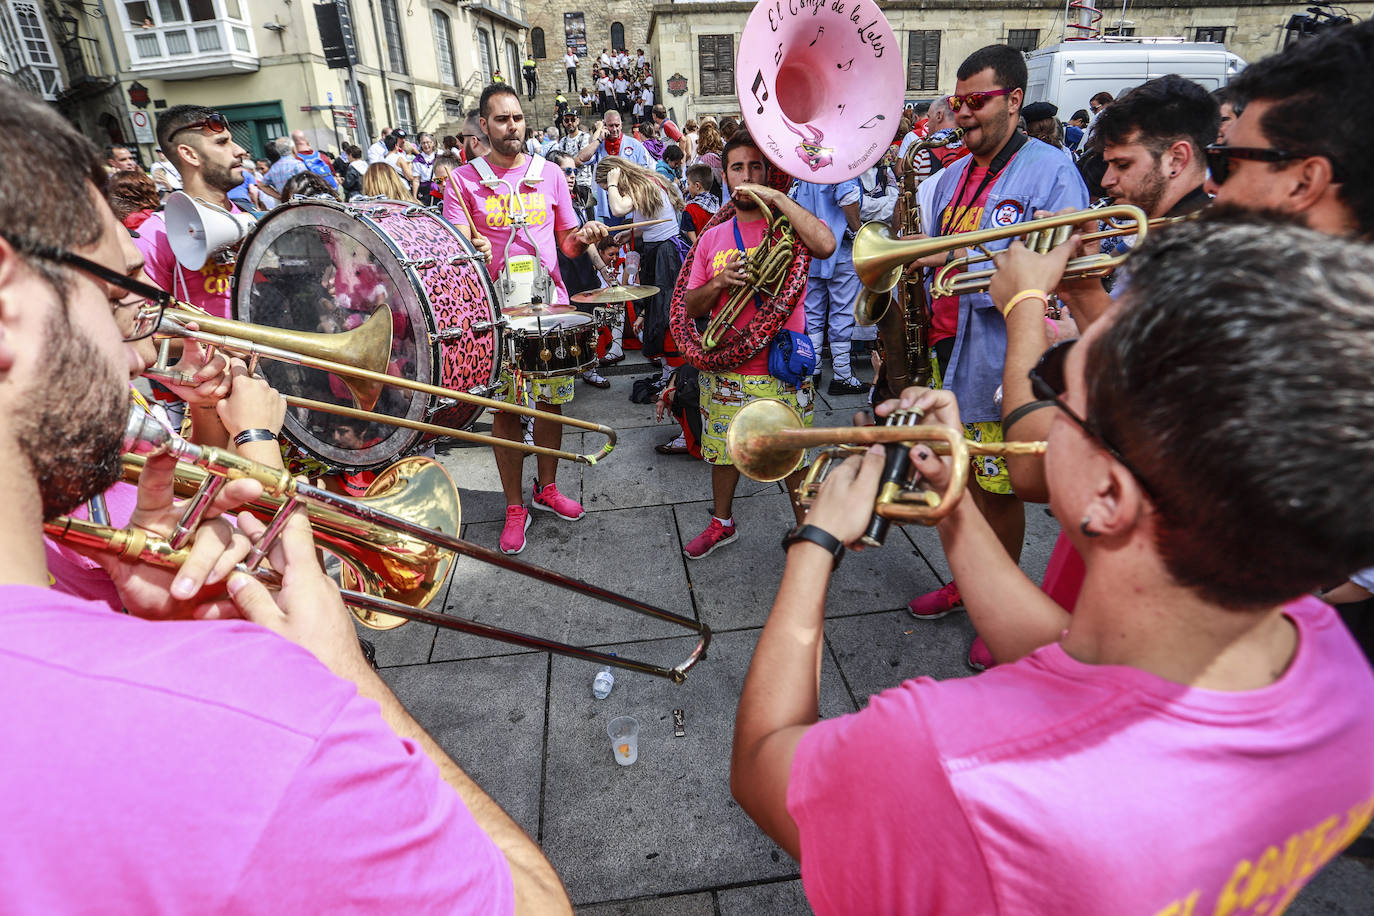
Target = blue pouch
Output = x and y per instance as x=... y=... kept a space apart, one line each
x=791 y=357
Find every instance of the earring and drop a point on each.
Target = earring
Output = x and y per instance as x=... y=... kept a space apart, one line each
x=1087 y=532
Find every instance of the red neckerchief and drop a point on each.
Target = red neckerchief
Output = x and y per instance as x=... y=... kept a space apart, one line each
x=613 y=150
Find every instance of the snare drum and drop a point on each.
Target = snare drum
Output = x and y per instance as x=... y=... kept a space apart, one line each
x=316 y=265
x=550 y=341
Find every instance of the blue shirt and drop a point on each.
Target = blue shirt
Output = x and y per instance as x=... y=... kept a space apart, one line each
x=1039 y=177
x=826 y=202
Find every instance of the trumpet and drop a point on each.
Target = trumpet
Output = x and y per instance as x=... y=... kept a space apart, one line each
x=766 y=441
x=765 y=273
x=879 y=259
x=360 y=358
x=396 y=560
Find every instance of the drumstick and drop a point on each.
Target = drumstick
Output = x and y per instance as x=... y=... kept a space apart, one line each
x=458 y=192
x=644 y=222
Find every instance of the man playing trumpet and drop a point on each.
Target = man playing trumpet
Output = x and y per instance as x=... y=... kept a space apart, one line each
x=1195 y=740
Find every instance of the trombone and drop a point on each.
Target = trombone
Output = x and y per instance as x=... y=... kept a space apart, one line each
x=360 y=358
x=767 y=440
x=879 y=259
x=397 y=561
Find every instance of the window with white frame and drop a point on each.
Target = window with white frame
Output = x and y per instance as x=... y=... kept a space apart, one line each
x=391 y=22
x=443 y=49
x=484 y=55
x=405 y=111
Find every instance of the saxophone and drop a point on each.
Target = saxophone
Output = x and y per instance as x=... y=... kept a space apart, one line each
x=904 y=331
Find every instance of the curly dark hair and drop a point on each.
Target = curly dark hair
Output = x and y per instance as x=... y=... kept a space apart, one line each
x=129 y=192
x=1164 y=111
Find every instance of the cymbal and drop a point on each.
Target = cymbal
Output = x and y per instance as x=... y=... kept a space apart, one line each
x=538 y=308
x=615 y=294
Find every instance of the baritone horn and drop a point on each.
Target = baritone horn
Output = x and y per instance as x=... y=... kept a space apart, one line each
x=767 y=440
x=398 y=559
x=879 y=259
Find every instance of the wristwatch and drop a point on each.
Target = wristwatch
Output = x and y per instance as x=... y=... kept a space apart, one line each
x=818 y=536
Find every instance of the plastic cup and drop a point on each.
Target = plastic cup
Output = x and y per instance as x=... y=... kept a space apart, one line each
x=624 y=734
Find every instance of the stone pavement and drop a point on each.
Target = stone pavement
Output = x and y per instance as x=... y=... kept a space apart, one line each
x=664 y=836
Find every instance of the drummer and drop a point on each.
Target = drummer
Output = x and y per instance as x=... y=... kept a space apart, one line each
x=550 y=225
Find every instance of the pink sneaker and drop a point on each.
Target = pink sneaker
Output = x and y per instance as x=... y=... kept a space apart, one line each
x=513 y=535
x=979 y=658
x=715 y=535
x=936 y=604
x=550 y=500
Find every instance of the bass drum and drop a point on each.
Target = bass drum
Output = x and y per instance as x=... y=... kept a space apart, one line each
x=322 y=266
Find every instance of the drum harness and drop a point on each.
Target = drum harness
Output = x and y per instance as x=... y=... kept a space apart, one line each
x=523 y=279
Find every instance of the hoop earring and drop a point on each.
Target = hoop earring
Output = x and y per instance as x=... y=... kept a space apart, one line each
x=1087 y=532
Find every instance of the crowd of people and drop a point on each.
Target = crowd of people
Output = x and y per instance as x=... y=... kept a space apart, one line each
x=1208 y=457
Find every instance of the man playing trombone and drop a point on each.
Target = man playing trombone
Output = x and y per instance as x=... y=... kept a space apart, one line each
x=1194 y=738
x=255 y=763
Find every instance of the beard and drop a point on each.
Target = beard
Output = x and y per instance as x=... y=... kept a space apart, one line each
x=1151 y=191
x=70 y=423
x=219 y=177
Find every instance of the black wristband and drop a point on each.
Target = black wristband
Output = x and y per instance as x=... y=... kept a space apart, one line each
x=818 y=536
x=255 y=435
x=1015 y=416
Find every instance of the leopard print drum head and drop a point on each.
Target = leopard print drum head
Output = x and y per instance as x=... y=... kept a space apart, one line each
x=325 y=267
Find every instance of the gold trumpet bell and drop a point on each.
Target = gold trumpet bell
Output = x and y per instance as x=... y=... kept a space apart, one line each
x=388 y=563
x=870 y=307
x=874 y=262
x=748 y=445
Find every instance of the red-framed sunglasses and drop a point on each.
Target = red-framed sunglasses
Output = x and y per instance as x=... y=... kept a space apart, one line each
x=214 y=123
x=976 y=100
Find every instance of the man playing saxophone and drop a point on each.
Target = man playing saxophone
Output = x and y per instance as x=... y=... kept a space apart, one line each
x=718 y=271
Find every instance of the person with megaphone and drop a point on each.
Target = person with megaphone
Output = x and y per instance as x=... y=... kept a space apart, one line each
x=198 y=142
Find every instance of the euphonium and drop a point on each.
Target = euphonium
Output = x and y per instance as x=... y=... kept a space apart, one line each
x=905 y=330
x=765 y=272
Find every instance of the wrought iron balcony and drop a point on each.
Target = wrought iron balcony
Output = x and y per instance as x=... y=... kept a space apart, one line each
x=85 y=69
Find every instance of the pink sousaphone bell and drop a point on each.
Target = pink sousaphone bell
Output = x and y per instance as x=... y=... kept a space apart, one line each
x=821 y=84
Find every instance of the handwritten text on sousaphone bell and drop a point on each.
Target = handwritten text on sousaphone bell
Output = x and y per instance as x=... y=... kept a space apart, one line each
x=869 y=33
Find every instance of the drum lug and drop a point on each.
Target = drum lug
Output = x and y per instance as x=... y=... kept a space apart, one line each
x=460 y=258
x=438 y=405
x=477 y=327
x=416 y=211
x=419 y=263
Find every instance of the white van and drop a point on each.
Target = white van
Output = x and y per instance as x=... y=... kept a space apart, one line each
x=1071 y=72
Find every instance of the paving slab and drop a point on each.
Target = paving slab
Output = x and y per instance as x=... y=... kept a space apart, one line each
x=680 y=905
x=667 y=824
x=634 y=552
x=1345 y=887
x=612 y=406
x=636 y=475
x=479 y=485
x=878 y=651
x=488 y=715
x=778 y=897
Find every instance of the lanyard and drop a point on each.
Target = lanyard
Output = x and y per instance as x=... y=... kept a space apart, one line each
x=994 y=169
x=739 y=243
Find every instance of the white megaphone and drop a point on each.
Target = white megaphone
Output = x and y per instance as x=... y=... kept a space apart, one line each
x=198 y=230
x=821 y=86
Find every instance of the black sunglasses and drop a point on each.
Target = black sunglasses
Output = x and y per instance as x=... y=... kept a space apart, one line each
x=1048 y=383
x=214 y=123
x=151 y=301
x=1219 y=157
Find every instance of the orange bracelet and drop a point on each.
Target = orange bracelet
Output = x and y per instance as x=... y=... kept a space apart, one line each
x=1022 y=296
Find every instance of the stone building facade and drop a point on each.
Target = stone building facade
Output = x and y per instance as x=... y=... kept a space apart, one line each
x=116 y=64
x=696 y=40
x=554 y=23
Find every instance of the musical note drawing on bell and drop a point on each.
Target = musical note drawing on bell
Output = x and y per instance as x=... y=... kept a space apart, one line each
x=777 y=55
x=820 y=30
x=758 y=83
x=870 y=122
x=846 y=65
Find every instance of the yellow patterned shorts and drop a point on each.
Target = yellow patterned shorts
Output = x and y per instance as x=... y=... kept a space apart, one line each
x=724 y=393
x=989 y=470
x=557 y=390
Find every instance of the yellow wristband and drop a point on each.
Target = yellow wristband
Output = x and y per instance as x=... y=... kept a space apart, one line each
x=1022 y=296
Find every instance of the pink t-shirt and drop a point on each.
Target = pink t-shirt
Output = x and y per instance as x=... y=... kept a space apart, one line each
x=548 y=207
x=712 y=248
x=207 y=287
x=1051 y=786
x=73 y=574
x=213 y=767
